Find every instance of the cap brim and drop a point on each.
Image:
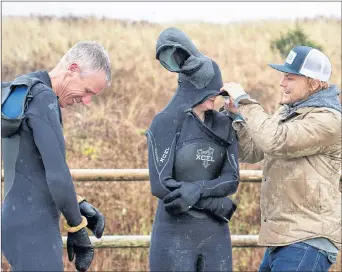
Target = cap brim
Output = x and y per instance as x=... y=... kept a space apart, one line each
x=283 y=68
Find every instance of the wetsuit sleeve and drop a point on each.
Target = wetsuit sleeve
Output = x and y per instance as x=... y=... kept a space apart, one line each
x=228 y=181
x=43 y=119
x=161 y=140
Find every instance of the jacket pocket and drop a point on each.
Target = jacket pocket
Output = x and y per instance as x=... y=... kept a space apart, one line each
x=312 y=195
x=327 y=196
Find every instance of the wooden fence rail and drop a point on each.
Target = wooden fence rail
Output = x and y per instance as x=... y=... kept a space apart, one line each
x=140 y=175
x=143 y=241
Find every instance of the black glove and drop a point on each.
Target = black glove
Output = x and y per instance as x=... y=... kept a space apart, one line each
x=96 y=220
x=221 y=207
x=183 y=198
x=78 y=243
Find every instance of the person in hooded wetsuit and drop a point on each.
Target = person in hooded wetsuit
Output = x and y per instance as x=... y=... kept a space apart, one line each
x=38 y=184
x=193 y=167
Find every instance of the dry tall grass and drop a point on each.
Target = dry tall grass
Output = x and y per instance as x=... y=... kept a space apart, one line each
x=109 y=134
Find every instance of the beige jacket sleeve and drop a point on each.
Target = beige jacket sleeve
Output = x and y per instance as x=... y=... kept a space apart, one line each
x=248 y=150
x=319 y=129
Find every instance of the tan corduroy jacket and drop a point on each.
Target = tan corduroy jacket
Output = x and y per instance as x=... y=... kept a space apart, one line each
x=300 y=197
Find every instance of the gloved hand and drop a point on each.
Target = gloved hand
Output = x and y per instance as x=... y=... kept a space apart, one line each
x=96 y=220
x=221 y=207
x=78 y=243
x=182 y=198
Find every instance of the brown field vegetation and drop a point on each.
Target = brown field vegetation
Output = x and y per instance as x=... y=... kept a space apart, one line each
x=110 y=133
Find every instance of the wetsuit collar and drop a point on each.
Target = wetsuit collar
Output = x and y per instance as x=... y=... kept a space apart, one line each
x=43 y=76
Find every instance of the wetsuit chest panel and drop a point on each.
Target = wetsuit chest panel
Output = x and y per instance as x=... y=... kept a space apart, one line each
x=198 y=156
x=199 y=160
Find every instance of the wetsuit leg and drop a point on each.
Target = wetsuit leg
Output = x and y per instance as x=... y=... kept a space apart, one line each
x=170 y=249
x=187 y=243
x=216 y=252
x=31 y=239
x=43 y=252
x=165 y=256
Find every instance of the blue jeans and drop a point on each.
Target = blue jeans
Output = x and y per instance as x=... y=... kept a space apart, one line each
x=296 y=257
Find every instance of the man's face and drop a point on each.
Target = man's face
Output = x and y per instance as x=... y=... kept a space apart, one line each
x=81 y=87
x=207 y=104
x=295 y=88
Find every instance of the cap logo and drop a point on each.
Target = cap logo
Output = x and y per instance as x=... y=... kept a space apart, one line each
x=291 y=56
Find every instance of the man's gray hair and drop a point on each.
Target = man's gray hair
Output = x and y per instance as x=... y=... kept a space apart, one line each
x=90 y=55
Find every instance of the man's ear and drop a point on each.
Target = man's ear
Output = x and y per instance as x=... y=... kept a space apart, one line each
x=316 y=84
x=73 y=67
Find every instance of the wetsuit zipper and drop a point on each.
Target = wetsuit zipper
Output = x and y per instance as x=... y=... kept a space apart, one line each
x=207 y=129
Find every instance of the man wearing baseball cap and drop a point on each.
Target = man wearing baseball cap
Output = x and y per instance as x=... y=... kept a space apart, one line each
x=300 y=144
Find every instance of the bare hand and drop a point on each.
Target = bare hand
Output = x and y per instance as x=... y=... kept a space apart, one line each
x=230 y=106
x=233 y=89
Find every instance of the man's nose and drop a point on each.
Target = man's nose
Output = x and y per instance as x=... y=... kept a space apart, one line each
x=282 y=82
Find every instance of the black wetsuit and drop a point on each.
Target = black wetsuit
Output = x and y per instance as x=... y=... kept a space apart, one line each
x=38 y=186
x=183 y=148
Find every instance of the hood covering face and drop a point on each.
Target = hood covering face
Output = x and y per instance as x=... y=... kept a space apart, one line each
x=199 y=76
x=177 y=53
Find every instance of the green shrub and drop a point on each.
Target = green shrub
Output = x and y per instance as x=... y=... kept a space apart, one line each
x=291 y=39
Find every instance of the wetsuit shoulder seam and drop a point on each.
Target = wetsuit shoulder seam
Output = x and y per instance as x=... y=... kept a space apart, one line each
x=169 y=116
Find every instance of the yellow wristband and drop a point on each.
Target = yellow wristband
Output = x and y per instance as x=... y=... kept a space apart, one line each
x=83 y=224
x=80 y=198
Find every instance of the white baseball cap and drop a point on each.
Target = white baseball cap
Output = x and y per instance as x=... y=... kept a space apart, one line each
x=306 y=61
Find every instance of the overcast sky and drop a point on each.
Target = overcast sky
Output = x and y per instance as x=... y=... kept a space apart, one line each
x=219 y=12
